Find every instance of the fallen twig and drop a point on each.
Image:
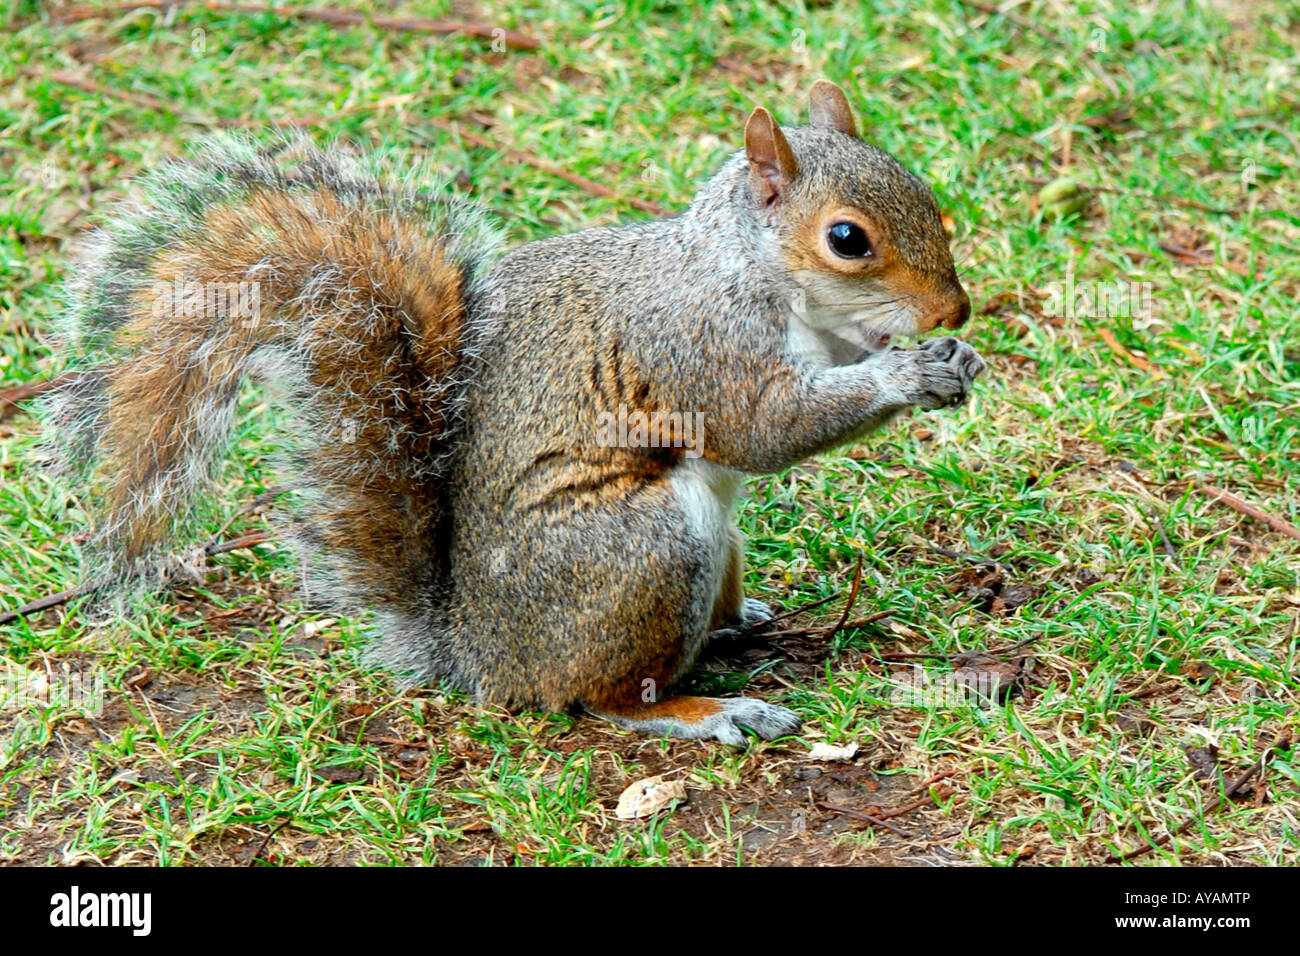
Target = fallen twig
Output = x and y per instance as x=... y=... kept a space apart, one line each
x=761 y=628
x=51 y=600
x=959 y=657
x=234 y=544
x=247 y=507
x=882 y=816
x=274 y=830
x=63 y=597
x=738 y=66
x=1249 y=510
x=1197 y=257
x=1282 y=743
x=65 y=78
x=13 y=394
x=153 y=103
x=344 y=18
x=935 y=778
x=1168 y=545
x=848 y=605
x=825 y=628
x=916 y=804
x=1136 y=361
x=582 y=182
x=802 y=609
x=875 y=821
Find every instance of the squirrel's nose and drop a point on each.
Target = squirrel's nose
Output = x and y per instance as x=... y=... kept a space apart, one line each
x=957 y=318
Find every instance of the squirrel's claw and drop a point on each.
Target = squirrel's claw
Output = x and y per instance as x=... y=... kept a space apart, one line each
x=769 y=721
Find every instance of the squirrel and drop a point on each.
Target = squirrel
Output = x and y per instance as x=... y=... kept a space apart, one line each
x=523 y=466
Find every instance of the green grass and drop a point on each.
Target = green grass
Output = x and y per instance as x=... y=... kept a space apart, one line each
x=237 y=725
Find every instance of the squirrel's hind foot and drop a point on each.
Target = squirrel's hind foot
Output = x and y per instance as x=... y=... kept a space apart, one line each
x=704 y=718
x=753 y=611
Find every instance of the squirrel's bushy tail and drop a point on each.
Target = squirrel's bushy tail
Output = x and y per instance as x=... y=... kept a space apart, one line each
x=296 y=266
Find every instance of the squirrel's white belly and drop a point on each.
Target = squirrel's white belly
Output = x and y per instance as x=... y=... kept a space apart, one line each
x=722 y=484
x=707 y=496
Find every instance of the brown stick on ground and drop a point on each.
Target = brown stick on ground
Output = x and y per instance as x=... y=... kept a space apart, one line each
x=880 y=818
x=874 y=821
x=1282 y=743
x=13 y=394
x=596 y=189
x=762 y=628
x=784 y=615
x=736 y=65
x=513 y=39
x=848 y=605
x=267 y=841
x=891 y=656
x=916 y=804
x=824 y=628
x=1198 y=257
x=150 y=102
x=1249 y=510
x=49 y=601
x=1168 y=545
x=1114 y=345
x=934 y=778
x=234 y=544
x=306 y=122
x=90 y=86
x=63 y=597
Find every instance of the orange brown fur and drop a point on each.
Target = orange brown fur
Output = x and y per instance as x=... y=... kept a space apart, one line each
x=412 y=336
x=685 y=709
x=732 y=592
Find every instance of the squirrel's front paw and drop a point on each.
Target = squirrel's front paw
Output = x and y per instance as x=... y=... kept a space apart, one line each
x=947 y=369
x=752 y=611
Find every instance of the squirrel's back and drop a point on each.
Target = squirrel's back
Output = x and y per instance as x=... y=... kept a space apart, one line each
x=297 y=266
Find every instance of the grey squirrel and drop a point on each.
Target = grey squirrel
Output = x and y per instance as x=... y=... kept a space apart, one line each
x=452 y=439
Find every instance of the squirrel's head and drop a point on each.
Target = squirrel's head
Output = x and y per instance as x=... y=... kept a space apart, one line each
x=860 y=236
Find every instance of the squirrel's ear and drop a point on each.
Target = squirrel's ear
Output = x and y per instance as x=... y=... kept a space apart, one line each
x=771 y=161
x=828 y=108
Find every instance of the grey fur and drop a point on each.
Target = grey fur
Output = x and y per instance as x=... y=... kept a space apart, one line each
x=541 y=592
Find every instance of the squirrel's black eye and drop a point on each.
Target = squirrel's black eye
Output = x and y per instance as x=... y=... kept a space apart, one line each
x=849 y=241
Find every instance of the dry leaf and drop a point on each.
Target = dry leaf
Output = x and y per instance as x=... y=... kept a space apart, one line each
x=647 y=797
x=1204 y=761
x=903 y=631
x=1199 y=671
x=821 y=750
x=1135 y=721
x=985 y=676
